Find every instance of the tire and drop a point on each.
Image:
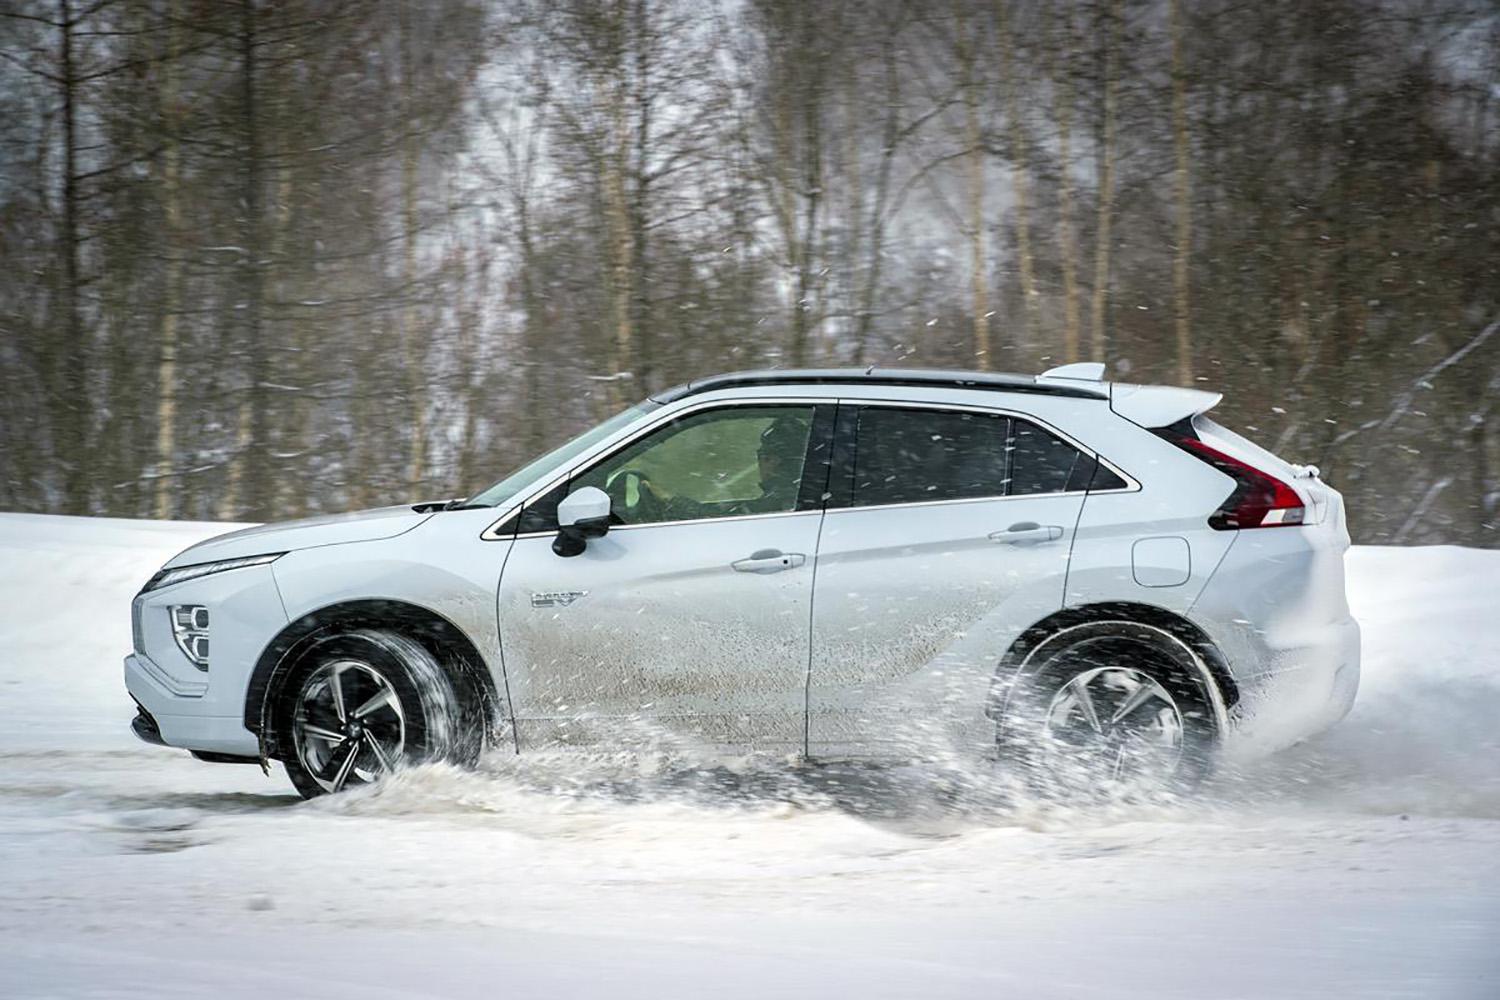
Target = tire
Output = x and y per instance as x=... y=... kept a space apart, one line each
x=362 y=704
x=1109 y=708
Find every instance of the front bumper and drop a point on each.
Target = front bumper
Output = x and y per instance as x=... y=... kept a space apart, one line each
x=194 y=708
x=176 y=724
x=145 y=728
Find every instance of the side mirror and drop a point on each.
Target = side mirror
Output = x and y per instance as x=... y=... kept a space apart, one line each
x=583 y=514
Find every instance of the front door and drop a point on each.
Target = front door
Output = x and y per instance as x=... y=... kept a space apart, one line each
x=949 y=530
x=690 y=620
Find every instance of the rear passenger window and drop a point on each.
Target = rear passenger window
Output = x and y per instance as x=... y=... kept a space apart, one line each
x=1041 y=462
x=915 y=456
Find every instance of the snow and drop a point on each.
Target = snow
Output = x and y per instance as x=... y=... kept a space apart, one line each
x=1365 y=863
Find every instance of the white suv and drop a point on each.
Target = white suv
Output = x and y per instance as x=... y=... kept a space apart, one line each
x=897 y=564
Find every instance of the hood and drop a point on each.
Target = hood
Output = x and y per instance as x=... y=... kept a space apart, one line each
x=285 y=536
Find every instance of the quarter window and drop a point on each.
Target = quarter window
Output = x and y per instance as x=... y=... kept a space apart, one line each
x=1041 y=462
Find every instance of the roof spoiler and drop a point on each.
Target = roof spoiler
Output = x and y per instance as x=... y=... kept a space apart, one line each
x=1154 y=406
x=1083 y=371
x=1150 y=406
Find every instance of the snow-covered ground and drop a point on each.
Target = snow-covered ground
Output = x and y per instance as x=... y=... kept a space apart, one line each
x=1365 y=863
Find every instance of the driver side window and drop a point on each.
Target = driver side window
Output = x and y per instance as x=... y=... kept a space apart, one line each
x=728 y=462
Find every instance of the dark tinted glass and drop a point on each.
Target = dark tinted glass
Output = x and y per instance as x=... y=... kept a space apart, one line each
x=911 y=456
x=1101 y=479
x=541 y=513
x=1041 y=462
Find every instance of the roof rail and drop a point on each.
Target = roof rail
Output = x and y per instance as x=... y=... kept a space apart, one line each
x=933 y=377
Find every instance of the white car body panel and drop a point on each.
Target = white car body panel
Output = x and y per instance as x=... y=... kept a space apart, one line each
x=1159 y=405
x=204 y=710
x=652 y=628
x=330 y=529
x=886 y=638
x=907 y=599
x=1277 y=609
x=1170 y=505
x=441 y=566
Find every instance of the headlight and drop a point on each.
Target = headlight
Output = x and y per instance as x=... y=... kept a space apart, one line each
x=168 y=577
x=190 y=629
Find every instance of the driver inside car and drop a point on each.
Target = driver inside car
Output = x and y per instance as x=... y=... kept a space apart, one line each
x=779 y=456
x=780 y=450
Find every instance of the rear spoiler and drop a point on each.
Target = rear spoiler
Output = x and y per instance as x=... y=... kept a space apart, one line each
x=1151 y=406
x=1154 y=406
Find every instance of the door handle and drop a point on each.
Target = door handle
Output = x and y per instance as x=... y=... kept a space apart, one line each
x=1027 y=533
x=768 y=561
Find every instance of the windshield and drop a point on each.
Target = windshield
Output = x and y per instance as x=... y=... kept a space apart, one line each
x=507 y=488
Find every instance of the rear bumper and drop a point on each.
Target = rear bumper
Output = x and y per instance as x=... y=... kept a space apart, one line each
x=1292 y=683
x=179 y=721
x=1346 y=677
x=1277 y=610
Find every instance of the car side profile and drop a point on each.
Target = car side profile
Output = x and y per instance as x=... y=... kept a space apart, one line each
x=830 y=564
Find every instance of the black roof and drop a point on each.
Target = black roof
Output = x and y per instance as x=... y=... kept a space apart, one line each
x=935 y=377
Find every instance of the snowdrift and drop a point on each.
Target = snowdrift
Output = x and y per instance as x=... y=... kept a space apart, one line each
x=1363 y=863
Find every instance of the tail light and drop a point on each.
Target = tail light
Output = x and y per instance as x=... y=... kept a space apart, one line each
x=1259 y=500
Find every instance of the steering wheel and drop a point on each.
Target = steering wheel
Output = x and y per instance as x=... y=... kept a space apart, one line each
x=631 y=493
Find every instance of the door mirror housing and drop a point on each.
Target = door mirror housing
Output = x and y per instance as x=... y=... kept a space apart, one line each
x=583 y=514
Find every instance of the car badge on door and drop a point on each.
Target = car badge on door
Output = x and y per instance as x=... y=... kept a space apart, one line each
x=557 y=599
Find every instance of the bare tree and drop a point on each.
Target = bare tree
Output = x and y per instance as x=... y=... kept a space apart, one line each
x=267 y=258
x=1112 y=15
x=1182 y=312
x=795 y=64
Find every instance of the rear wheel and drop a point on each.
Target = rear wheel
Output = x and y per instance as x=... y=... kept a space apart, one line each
x=1111 y=710
x=363 y=704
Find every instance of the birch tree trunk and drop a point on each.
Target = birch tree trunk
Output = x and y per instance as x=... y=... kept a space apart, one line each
x=891 y=136
x=812 y=193
x=617 y=221
x=74 y=412
x=532 y=332
x=413 y=342
x=974 y=176
x=1182 y=307
x=253 y=445
x=852 y=168
x=1062 y=109
x=229 y=502
x=642 y=102
x=291 y=496
x=1106 y=186
x=1020 y=176
x=165 y=503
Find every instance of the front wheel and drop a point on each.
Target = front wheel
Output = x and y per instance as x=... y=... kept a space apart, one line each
x=363 y=704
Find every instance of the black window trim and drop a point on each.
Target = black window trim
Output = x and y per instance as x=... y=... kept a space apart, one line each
x=824 y=410
x=841 y=477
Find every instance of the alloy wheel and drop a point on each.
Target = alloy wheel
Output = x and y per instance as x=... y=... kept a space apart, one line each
x=349 y=726
x=1115 y=722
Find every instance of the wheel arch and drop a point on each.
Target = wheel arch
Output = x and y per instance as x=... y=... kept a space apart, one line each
x=446 y=641
x=1177 y=636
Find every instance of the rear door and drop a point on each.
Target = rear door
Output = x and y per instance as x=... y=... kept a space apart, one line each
x=948 y=529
